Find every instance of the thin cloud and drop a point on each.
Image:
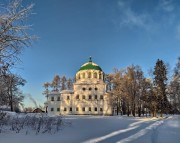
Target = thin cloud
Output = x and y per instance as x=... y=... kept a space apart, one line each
x=164 y=14
x=131 y=18
x=166 y=5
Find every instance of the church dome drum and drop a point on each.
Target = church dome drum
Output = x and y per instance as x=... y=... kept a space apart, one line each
x=91 y=71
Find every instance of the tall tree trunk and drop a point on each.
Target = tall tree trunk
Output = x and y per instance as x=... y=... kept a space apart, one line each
x=10 y=94
x=139 y=111
x=134 y=110
x=128 y=112
x=117 y=110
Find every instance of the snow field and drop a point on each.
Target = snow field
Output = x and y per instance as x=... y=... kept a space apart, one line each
x=104 y=129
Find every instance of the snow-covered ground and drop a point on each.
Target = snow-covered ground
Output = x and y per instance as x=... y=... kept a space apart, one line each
x=105 y=129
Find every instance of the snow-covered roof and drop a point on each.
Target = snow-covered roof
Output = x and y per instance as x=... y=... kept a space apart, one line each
x=67 y=91
x=54 y=92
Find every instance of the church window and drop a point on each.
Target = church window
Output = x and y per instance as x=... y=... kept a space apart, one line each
x=90 y=88
x=89 y=108
x=101 y=109
x=64 y=108
x=58 y=109
x=52 y=109
x=52 y=98
x=95 y=96
x=83 y=109
x=77 y=109
x=95 y=109
x=83 y=97
x=58 y=99
x=96 y=88
x=101 y=97
x=89 y=97
x=100 y=76
x=83 y=88
x=95 y=75
x=70 y=109
x=79 y=76
x=77 y=97
x=67 y=97
x=83 y=75
x=89 y=75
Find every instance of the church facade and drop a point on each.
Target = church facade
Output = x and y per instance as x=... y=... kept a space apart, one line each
x=88 y=97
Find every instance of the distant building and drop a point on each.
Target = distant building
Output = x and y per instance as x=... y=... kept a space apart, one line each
x=38 y=110
x=88 y=97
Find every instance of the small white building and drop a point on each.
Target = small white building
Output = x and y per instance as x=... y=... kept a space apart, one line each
x=88 y=97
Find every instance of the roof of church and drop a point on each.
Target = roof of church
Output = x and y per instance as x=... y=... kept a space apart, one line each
x=90 y=66
x=67 y=92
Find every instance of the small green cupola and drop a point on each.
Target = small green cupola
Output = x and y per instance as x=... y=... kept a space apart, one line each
x=90 y=66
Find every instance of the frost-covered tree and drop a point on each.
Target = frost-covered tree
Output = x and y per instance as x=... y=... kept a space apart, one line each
x=14 y=34
x=14 y=37
x=15 y=97
x=174 y=89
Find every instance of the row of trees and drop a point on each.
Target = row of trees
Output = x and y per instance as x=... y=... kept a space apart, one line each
x=13 y=39
x=58 y=84
x=133 y=93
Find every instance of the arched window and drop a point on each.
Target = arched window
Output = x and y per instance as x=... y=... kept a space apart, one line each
x=90 y=97
x=83 y=97
x=95 y=75
x=83 y=75
x=79 y=77
x=89 y=75
x=100 y=76
x=95 y=96
x=77 y=97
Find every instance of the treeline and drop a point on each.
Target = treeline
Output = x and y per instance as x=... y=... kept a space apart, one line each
x=134 y=94
x=58 y=84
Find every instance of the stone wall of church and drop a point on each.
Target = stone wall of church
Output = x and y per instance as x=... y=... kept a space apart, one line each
x=53 y=103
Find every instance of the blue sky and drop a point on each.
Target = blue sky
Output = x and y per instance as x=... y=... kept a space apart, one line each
x=116 y=33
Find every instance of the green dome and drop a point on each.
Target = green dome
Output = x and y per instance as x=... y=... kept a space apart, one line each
x=90 y=66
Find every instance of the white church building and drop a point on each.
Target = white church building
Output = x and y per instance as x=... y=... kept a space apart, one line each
x=88 y=97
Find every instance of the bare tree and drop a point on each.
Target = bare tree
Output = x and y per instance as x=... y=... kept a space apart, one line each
x=13 y=30
x=14 y=95
x=63 y=83
x=46 y=91
x=14 y=37
x=56 y=83
x=69 y=84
